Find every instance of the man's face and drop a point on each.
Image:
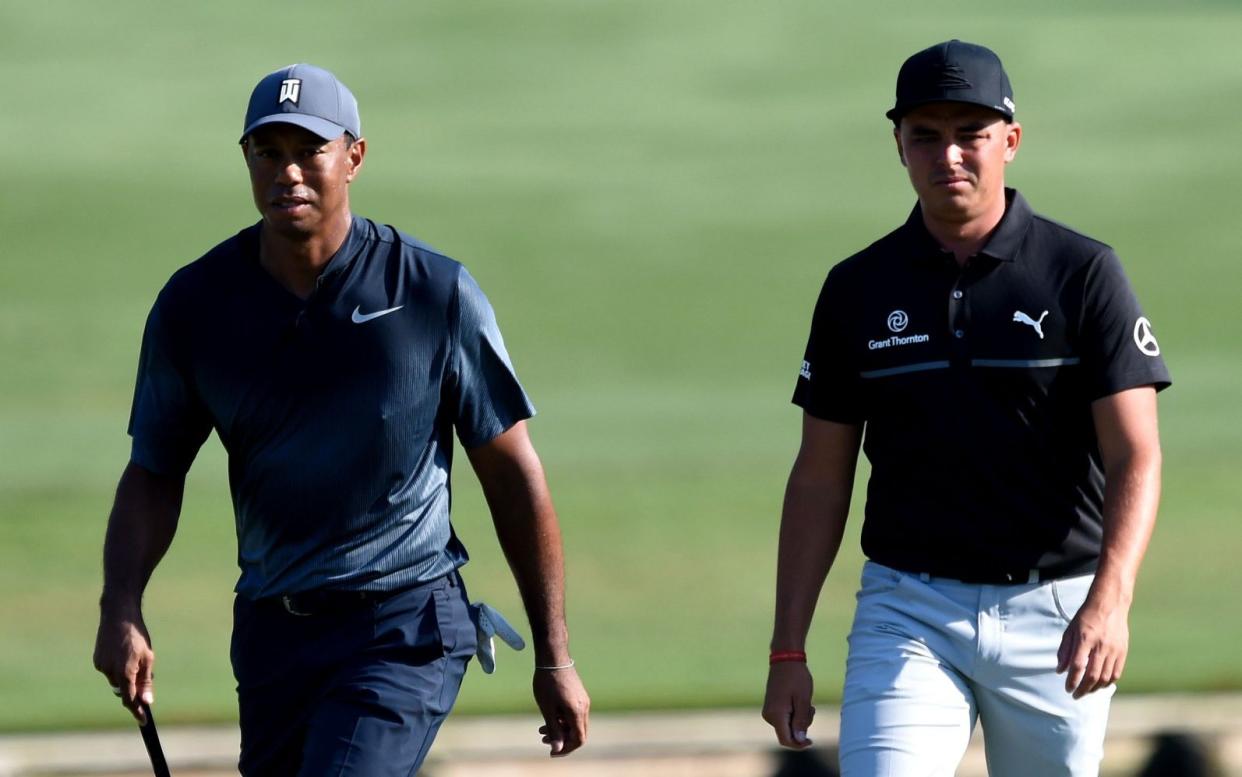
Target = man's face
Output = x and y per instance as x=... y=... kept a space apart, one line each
x=299 y=180
x=956 y=154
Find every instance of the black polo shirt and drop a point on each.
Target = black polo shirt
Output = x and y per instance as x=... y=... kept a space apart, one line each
x=975 y=387
x=337 y=412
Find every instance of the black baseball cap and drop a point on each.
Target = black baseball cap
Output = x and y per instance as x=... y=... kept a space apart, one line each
x=953 y=71
x=305 y=95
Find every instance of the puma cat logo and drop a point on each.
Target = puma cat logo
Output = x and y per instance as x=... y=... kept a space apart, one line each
x=1023 y=318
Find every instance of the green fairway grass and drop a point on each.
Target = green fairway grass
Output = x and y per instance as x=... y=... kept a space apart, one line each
x=650 y=193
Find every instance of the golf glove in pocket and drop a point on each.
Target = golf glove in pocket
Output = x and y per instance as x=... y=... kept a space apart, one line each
x=488 y=624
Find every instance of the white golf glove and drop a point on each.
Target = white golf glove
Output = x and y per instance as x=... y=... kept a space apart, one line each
x=488 y=623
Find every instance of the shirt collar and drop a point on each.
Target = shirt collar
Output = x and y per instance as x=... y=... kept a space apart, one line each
x=343 y=258
x=348 y=251
x=1004 y=243
x=1006 y=239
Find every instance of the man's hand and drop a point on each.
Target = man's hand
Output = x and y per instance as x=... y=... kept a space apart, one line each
x=123 y=654
x=565 y=706
x=1093 y=650
x=787 y=704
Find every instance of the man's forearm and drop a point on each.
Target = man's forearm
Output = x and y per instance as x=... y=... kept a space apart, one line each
x=812 y=524
x=531 y=541
x=517 y=495
x=1131 y=497
x=1130 y=449
x=140 y=530
x=817 y=503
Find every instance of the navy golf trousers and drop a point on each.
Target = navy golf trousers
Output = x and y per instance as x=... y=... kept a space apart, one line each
x=339 y=687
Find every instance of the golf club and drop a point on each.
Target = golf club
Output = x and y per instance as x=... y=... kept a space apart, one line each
x=151 y=738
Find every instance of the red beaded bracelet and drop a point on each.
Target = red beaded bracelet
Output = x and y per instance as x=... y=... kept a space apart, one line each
x=779 y=656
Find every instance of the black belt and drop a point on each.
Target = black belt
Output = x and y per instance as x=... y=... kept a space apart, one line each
x=326 y=601
x=1013 y=576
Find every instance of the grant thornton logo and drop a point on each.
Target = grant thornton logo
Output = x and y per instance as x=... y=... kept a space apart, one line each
x=897 y=322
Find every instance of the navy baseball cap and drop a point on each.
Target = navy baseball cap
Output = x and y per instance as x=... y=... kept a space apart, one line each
x=955 y=72
x=305 y=95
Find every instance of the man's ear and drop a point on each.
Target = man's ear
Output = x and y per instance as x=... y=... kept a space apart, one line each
x=1013 y=139
x=901 y=154
x=357 y=152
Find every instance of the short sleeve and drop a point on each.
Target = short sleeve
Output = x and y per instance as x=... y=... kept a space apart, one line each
x=1118 y=343
x=829 y=384
x=486 y=395
x=168 y=422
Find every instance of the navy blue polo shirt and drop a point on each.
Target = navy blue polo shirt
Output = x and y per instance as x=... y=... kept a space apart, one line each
x=975 y=387
x=337 y=412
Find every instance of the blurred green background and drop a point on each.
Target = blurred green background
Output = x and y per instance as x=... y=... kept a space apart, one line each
x=651 y=194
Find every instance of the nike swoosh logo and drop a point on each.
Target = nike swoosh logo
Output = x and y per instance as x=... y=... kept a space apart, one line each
x=359 y=317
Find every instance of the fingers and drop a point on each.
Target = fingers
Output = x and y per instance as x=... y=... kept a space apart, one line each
x=137 y=685
x=573 y=725
x=1065 y=653
x=564 y=731
x=780 y=717
x=563 y=734
x=1089 y=667
x=1106 y=674
x=1076 y=668
x=803 y=714
x=144 y=687
x=1092 y=674
x=791 y=724
x=1119 y=668
x=557 y=735
x=1103 y=670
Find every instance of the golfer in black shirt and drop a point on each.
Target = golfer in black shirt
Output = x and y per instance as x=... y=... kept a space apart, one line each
x=1005 y=378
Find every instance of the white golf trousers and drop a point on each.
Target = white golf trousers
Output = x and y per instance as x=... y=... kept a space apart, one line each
x=929 y=656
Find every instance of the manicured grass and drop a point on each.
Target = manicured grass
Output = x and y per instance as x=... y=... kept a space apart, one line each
x=650 y=193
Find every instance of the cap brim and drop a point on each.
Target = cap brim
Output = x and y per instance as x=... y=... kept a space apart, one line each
x=322 y=127
x=895 y=113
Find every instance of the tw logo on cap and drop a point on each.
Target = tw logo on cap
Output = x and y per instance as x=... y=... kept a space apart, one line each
x=290 y=90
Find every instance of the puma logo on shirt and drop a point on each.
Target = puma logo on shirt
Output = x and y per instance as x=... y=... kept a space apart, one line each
x=1023 y=318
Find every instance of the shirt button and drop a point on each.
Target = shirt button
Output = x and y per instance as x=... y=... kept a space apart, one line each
x=957 y=294
x=959 y=334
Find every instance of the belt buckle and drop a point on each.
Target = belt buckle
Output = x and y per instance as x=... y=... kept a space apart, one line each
x=287 y=601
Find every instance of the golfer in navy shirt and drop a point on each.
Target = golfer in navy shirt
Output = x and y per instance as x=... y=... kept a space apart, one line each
x=335 y=358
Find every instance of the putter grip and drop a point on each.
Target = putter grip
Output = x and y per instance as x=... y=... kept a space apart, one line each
x=151 y=738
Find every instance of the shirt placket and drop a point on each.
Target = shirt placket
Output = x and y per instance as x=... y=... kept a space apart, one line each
x=959 y=318
x=960 y=294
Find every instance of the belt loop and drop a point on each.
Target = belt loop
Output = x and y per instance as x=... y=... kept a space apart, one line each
x=1033 y=577
x=925 y=577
